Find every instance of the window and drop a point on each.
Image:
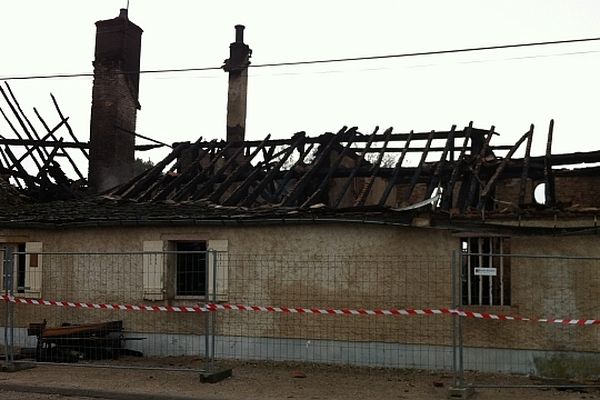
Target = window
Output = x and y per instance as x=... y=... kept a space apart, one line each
x=190 y=269
x=485 y=271
x=176 y=267
x=27 y=267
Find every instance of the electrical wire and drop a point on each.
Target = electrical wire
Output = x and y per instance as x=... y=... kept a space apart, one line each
x=322 y=61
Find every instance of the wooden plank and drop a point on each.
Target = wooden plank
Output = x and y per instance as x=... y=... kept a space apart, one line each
x=448 y=193
x=392 y=182
x=268 y=178
x=548 y=175
x=435 y=179
x=323 y=154
x=69 y=129
x=417 y=172
x=359 y=162
x=366 y=189
x=242 y=189
x=232 y=176
x=492 y=181
x=475 y=180
x=290 y=172
x=53 y=136
x=331 y=169
x=525 y=173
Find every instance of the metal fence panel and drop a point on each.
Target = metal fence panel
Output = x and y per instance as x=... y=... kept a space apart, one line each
x=551 y=304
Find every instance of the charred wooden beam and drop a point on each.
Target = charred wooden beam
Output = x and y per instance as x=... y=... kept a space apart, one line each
x=139 y=184
x=323 y=154
x=397 y=168
x=289 y=174
x=485 y=193
x=360 y=201
x=69 y=129
x=42 y=140
x=53 y=136
x=417 y=173
x=244 y=164
x=475 y=178
x=525 y=173
x=448 y=193
x=268 y=178
x=434 y=181
x=23 y=127
x=323 y=185
x=548 y=175
x=356 y=167
x=236 y=196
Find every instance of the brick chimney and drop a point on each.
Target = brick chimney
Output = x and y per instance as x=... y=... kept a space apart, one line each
x=237 y=67
x=114 y=102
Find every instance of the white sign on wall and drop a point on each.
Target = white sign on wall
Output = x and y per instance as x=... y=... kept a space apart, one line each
x=485 y=271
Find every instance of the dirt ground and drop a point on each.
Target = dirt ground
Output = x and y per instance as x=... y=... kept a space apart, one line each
x=272 y=381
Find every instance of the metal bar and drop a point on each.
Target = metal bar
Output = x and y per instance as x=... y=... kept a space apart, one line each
x=491 y=265
x=501 y=271
x=454 y=278
x=469 y=268
x=480 y=264
x=356 y=167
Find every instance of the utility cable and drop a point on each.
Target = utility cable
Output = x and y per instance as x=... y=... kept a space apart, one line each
x=322 y=61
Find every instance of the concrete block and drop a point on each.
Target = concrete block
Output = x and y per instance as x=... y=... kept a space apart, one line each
x=215 y=375
x=460 y=393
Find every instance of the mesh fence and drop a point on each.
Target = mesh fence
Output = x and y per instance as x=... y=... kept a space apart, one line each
x=554 y=302
x=151 y=308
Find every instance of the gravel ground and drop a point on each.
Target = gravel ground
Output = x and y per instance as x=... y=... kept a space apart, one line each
x=269 y=381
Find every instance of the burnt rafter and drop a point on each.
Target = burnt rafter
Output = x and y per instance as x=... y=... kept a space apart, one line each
x=334 y=171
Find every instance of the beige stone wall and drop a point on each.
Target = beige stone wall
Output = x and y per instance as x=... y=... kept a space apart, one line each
x=336 y=265
x=333 y=265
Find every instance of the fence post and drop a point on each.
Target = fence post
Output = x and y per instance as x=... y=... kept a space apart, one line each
x=8 y=293
x=457 y=339
x=207 y=360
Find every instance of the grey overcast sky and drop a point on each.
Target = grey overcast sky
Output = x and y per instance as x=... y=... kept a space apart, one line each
x=506 y=88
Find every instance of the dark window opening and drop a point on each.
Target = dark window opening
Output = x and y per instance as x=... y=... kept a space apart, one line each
x=191 y=269
x=486 y=271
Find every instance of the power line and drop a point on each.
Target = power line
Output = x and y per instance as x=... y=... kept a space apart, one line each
x=322 y=61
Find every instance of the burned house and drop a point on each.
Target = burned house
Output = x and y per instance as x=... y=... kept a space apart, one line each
x=344 y=219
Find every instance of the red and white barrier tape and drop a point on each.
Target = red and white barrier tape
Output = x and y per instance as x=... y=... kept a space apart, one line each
x=212 y=307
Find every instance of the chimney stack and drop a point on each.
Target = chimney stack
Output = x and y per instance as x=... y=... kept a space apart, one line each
x=114 y=102
x=237 y=66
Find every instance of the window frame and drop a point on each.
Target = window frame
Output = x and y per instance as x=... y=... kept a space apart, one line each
x=491 y=251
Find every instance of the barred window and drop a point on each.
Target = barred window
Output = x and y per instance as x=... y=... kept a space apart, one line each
x=486 y=271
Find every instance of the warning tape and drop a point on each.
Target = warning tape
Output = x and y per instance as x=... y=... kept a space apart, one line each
x=212 y=307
